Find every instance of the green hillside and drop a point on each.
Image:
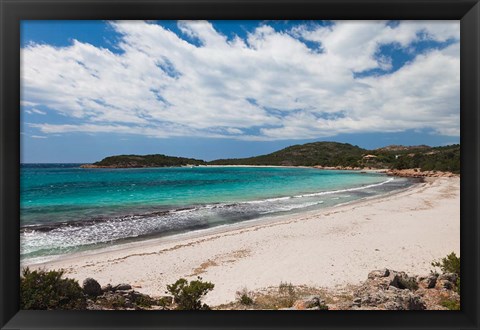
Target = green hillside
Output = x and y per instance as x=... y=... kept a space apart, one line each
x=332 y=154
x=158 y=160
x=445 y=158
x=310 y=154
x=327 y=154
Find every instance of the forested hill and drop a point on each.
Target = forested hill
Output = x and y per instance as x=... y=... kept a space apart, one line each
x=127 y=161
x=333 y=154
x=325 y=154
x=310 y=154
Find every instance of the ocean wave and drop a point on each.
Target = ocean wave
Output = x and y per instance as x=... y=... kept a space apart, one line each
x=189 y=209
x=347 y=190
x=66 y=237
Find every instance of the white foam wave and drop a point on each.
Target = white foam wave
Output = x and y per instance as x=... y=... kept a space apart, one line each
x=345 y=190
x=68 y=238
x=329 y=192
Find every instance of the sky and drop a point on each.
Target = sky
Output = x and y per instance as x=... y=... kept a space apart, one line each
x=229 y=89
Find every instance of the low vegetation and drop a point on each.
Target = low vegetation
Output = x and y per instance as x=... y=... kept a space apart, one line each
x=451 y=304
x=42 y=290
x=112 y=302
x=49 y=290
x=244 y=297
x=283 y=296
x=450 y=264
x=445 y=159
x=187 y=296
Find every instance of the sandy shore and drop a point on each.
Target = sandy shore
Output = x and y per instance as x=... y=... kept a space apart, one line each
x=403 y=231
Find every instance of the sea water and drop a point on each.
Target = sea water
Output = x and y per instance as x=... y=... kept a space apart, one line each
x=65 y=208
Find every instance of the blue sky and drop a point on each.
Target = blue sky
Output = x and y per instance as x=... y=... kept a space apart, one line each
x=223 y=89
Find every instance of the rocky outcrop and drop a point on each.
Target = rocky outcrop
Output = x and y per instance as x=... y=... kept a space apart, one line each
x=121 y=297
x=385 y=278
x=427 y=282
x=91 y=287
x=446 y=281
x=126 y=165
x=390 y=299
x=378 y=273
x=92 y=166
x=310 y=303
x=107 y=288
x=347 y=168
x=393 y=290
x=386 y=289
x=122 y=286
x=408 y=173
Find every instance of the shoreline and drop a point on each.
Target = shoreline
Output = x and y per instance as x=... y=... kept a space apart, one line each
x=406 y=173
x=154 y=239
x=324 y=248
x=239 y=208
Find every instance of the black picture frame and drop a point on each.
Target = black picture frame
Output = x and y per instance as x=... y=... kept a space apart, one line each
x=13 y=11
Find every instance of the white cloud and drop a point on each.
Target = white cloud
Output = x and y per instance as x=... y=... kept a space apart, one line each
x=271 y=82
x=233 y=130
x=27 y=104
x=32 y=111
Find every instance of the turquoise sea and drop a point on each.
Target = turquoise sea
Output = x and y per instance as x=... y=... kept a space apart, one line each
x=65 y=208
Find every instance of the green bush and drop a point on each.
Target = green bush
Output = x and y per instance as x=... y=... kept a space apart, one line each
x=112 y=302
x=164 y=301
x=451 y=304
x=323 y=307
x=449 y=264
x=188 y=296
x=144 y=301
x=41 y=289
x=244 y=297
x=458 y=285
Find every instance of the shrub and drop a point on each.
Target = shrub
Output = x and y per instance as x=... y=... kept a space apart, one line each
x=164 y=301
x=449 y=264
x=287 y=293
x=144 y=301
x=451 y=304
x=322 y=307
x=40 y=289
x=112 y=302
x=244 y=297
x=286 y=288
x=188 y=296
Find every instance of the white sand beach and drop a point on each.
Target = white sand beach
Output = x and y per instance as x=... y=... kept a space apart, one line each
x=402 y=231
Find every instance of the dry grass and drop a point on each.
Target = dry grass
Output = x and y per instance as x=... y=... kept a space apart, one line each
x=272 y=298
